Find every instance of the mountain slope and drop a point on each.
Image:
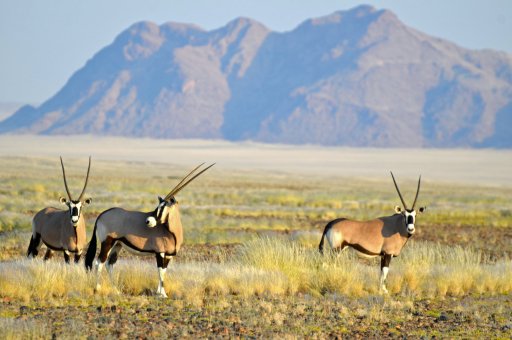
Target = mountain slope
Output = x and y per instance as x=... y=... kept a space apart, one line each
x=357 y=78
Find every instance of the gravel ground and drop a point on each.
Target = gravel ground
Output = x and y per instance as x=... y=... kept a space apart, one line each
x=263 y=317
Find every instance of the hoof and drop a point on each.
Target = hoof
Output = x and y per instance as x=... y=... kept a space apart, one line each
x=161 y=294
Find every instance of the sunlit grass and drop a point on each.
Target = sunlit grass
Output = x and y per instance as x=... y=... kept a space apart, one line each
x=270 y=266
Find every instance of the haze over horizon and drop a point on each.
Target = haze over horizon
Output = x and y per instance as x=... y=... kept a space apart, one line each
x=45 y=43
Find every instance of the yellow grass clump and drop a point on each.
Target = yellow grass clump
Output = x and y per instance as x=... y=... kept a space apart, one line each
x=427 y=269
x=37 y=279
x=270 y=266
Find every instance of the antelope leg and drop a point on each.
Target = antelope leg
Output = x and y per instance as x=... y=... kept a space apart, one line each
x=113 y=255
x=162 y=261
x=384 y=268
x=106 y=246
x=48 y=255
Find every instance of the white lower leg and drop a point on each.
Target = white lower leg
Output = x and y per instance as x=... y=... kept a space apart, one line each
x=161 y=274
x=383 y=275
x=99 y=268
x=110 y=270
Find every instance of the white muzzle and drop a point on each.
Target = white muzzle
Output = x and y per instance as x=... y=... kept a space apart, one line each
x=410 y=228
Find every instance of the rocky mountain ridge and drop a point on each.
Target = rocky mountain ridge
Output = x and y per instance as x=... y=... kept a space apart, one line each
x=356 y=78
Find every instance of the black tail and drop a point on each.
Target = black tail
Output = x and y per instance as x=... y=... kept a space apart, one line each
x=32 y=247
x=321 y=245
x=91 y=250
x=326 y=229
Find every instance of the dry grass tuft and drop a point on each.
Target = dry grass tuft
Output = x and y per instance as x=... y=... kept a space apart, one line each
x=23 y=329
x=43 y=280
x=269 y=266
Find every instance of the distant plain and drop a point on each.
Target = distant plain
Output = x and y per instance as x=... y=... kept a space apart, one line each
x=464 y=166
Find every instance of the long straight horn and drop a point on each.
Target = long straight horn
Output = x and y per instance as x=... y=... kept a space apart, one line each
x=183 y=180
x=176 y=189
x=417 y=192
x=65 y=182
x=398 y=190
x=86 y=180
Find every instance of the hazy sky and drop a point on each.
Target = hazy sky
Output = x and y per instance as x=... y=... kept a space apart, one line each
x=43 y=43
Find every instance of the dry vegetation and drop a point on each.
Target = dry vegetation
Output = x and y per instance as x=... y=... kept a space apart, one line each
x=249 y=266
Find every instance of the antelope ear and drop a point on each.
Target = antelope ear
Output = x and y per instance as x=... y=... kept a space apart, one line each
x=160 y=199
x=63 y=200
x=88 y=201
x=398 y=210
x=422 y=209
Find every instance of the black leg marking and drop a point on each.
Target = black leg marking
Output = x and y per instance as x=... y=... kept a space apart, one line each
x=48 y=255
x=77 y=257
x=105 y=249
x=159 y=261
x=112 y=259
x=66 y=257
x=114 y=253
x=385 y=261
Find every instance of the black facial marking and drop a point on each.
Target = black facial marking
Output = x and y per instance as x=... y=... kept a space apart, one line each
x=160 y=212
x=410 y=219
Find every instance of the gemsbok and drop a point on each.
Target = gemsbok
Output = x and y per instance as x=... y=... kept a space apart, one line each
x=158 y=232
x=383 y=236
x=62 y=230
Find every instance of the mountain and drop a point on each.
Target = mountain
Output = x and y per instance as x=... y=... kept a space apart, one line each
x=8 y=108
x=356 y=78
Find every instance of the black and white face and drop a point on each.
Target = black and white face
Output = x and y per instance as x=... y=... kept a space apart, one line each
x=409 y=217
x=161 y=212
x=75 y=209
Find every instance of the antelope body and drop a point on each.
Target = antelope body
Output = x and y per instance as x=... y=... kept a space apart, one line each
x=383 y=236
x=165 y=237
x=61 y=230
x=156 y=233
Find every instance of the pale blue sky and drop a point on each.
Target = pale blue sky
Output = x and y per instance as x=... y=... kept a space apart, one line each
x=44 y=42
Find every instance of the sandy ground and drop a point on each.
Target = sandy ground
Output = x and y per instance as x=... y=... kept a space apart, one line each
x=480 y=167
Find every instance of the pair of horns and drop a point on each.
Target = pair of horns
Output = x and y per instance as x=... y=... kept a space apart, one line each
x=185 y=181
x=399 y=194
x=66 y=183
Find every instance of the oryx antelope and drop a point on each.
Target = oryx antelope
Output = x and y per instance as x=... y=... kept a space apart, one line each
x=158 y=232
x=58 y=229
x=383 y=236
